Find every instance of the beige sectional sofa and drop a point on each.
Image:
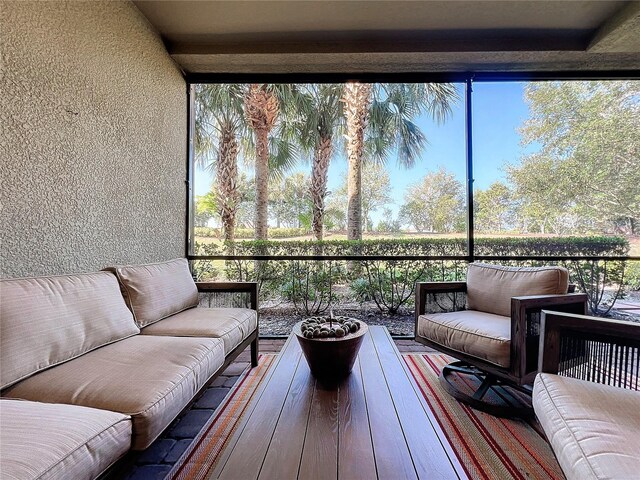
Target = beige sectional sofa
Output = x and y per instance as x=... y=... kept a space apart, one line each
x=101 y=363
x=593 y=421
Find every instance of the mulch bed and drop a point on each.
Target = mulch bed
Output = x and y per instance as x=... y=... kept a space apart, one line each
x=278 y=320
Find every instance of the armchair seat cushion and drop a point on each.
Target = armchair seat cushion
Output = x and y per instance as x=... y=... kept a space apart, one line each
x=232 y=325
x=148 y=378
x=48 y=441
x=592 y=428
x=482 y=335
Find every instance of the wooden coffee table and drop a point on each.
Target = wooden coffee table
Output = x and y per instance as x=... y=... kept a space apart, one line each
x=374 y=424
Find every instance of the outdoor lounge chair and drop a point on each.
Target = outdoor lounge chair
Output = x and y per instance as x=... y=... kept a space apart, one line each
x=491 y=324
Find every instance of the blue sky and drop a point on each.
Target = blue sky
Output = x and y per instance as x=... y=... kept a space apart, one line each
x=499 y=110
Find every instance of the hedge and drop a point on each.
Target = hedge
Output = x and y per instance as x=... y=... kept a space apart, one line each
x=390 y=283
x=528 y=246
x=248 y=233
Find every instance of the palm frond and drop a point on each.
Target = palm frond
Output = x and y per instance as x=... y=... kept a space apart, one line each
x=283 y=156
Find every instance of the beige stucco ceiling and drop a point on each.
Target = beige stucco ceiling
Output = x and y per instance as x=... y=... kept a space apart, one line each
x=360 y=36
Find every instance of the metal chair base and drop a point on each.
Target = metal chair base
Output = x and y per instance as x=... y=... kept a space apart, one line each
x=488 y=382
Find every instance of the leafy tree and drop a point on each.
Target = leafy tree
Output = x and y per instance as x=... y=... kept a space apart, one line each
x=335 y=216
x=494 y=208
x=290 y=202
x=589 y=153
x=389 y=224
x=246 y=202
x=435 y=203
x=543 y=203
x=380 y=122
x=206 y=208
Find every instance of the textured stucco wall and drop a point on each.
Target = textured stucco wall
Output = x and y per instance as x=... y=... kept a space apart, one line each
x=92 y=144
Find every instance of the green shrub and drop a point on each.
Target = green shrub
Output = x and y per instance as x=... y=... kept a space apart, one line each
x=311 y=285
x=632 y=276
x=390 y=283
x=552 y=246
x=248 y=233
x=206 y=232
x=203 y=270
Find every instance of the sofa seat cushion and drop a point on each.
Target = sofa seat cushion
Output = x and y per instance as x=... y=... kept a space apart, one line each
x=45 y=321
x=232 y=325
x=157 y=290
x=491 y=287
x=149 y=378
x=481 y=335
x=51 y=441
x=593 y=428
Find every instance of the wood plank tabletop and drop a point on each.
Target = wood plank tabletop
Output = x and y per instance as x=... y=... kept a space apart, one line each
x=374 y=424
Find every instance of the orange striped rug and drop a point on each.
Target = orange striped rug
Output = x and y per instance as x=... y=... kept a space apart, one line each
x=199 y=460
x=487 y=447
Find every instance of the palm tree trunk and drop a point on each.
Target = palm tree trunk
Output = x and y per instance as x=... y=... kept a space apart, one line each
x=357 y=98
x=319 y=174
x=227 y=178
x=262 y=183
x=261 y=111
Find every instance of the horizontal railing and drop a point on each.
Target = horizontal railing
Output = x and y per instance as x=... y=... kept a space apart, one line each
x=540 y=258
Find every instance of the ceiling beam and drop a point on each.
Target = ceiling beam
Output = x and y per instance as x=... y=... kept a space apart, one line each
x=620 y=33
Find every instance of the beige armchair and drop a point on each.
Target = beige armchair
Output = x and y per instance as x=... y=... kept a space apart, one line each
x=491 y=324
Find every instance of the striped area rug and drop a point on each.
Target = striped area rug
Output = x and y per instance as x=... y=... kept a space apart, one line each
x=199 y=460
x=487 y=447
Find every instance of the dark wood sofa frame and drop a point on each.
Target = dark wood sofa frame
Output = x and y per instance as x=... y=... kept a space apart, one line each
x=442 y=297
x=237 y=287
x=593 y=349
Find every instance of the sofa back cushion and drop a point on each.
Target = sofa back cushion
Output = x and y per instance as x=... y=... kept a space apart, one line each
x=45 y=321
x=490 y=287
x=157 y=290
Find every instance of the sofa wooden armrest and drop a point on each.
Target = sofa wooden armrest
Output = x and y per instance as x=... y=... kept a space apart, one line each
x=590 y=348
x=238 y=287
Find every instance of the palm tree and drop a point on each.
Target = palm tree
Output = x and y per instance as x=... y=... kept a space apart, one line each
x=357 y=100
x=261 y=108
x=321 y=115
x=380 y=120
x=268 y=107
x=219 y=116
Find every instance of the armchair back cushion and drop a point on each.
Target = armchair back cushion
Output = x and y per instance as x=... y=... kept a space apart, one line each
x=490 y=287
x=45 y=321
x=157 y=290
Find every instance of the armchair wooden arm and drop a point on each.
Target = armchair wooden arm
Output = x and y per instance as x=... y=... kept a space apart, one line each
x=424 y=288
x=525 y=327
x=231 y=287
x=594 y=349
